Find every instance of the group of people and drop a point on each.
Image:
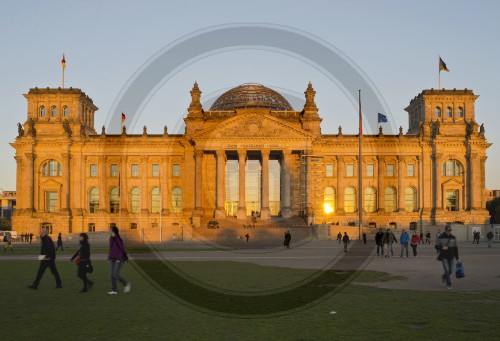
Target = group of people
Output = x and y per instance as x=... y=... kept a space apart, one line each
x=116 y=257
x=476 y=235
x=26 y=237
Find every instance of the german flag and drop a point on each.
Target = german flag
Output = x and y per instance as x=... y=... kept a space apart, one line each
x=123 y=117
x=63 y=62
x=442 y=66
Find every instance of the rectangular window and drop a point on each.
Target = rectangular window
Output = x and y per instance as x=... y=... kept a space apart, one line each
x=91 y=227
x=155 y=171
x=370 y=170
x=329 y=171
x=113 y=171
x=93 y=171
x=51 y=201
x=134 y=171
x=390 y=170
x=451 y=200
x=349 y=170
x=410 y=170
x=176 y=170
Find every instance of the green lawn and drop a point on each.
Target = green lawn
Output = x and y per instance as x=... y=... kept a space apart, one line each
x=363 y=313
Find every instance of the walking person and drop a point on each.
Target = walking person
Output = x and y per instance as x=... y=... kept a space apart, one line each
x=247 y=236
x=428 y=238
x=59 y=242
x=82 y=256
x=47 y=260
x=116 y=257
x=389 y=239
x=31 y=237
x=8 y=242
x=489 y=236
x=379 y=240
x=421 y=237
x=447 y=244
x=345 y=239
x=288 y=238
x=339 y=237
x=404 y=239
x=415 y=240
x=364 y=238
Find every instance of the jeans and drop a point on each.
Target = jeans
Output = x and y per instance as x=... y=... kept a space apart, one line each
x=380 y=249
x=114 y=269
x=403 y=247
x=448 y=265
x=489 y=242
x=387 y=249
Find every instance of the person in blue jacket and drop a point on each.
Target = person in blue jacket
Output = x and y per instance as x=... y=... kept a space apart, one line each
x=404 y=239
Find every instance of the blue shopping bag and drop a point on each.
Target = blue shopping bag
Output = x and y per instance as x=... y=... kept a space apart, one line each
x=459 y=271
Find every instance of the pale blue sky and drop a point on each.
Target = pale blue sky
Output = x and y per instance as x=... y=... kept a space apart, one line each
x=396 y=43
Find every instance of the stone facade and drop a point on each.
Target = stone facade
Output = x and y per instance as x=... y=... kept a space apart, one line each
x=69 y=177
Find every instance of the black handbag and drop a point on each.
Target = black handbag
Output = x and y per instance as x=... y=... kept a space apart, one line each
x=89 y=267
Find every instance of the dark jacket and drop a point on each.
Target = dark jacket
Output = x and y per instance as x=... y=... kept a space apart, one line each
x=83 y=252
x=390 y=238
x=449 y=241
x=116 y=249
x=48 y=248
x=379 y=238
x=345 y=238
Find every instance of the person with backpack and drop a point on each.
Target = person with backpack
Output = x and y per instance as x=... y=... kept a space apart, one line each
x=47 y=260
x=117 y=255
x=448 y=253
x=404 y=239
x=82 y=257
x=339 y=237
x=489 y=236
x=415 y=240
x=379 y=240
x=345 y=239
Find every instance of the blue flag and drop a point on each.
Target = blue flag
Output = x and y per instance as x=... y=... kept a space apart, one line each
x=382 y=118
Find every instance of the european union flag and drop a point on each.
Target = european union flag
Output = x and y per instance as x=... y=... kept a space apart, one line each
x=382 y=118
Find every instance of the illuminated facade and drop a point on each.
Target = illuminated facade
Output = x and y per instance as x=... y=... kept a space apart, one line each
x=251 y=152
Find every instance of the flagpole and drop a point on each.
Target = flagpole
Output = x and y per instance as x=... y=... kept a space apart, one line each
x=360 y=169
x=161 y=211
x=63 y=77
x=439 y=80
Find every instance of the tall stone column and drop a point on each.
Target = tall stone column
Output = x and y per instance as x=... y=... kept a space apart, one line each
x=144 y=184
x=340 y=186
x=381 y=189
x=401 y=190
x=198 y=193
x=438 y=192
x=265 y=212
x=19 y=190
x=481 y=188
x=242 y=210
x=475 y=181
x=66 y=157
x=29 y=174
x=103 y=191
x=220 y=211
x=286 y=211
x=165 y=186
x=124 y=195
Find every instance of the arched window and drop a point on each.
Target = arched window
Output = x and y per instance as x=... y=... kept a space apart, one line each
x=349 y=199
x=460 y=112
x=176 y=200
x=390 y=199
x=329 y=200
x=114 y=200
x=370 y=200
x=42 y=111
x=155 y=200
x=51 y=168
x=53 y=111
x=437 y=112
x=65 y=111
x=451 y=168
x=93 y=200
x=449 y=112
x=135 y=200
x=410 y=199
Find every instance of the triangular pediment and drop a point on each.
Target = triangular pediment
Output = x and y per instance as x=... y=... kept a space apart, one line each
x=453 y=182
x=254 y=125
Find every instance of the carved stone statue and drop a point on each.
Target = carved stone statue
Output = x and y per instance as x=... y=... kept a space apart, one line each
x=481 y=129
x=67 y=128
x=340 y=131
x=144 y=130
x=31 y=128
x=165 y=130
x=20 y=130
x=103 y=130
x=400 y=131
x=380 y=133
